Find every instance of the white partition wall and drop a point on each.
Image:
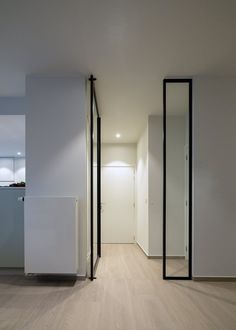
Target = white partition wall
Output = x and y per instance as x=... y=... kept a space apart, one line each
x=142 y=236
x=149 y=188
x=214 y=177
x=56 y=145
x=155 y=182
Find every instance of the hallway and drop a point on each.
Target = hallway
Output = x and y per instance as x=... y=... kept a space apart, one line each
x=128 y=294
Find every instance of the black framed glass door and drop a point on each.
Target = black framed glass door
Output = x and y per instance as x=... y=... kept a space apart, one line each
x=177 y=179
x=95 y=180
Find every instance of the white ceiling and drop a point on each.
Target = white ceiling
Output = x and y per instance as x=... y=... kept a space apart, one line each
x=12 y=136
x=129 y=45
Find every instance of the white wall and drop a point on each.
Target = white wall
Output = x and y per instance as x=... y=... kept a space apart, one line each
x=214 y=177
x=11 y=170
x=175 y=185
x=19 y=169
x=119 y=154
x=150 y=187
x=155 y=183
x=12 y=106
x=56 y=144
x=142 y=236
x=6 y=171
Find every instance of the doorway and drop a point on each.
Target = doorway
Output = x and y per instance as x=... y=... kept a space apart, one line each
x=118 y=204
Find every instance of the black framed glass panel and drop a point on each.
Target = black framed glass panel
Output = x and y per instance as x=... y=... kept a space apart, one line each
x=177 y=185
x=95 y=186
x=95 y=180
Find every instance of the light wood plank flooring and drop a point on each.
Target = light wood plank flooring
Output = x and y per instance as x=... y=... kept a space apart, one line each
x=128 y=294
x=176 y=267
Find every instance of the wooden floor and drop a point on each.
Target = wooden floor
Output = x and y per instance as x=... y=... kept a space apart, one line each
x=128 y=294
x=176 y=267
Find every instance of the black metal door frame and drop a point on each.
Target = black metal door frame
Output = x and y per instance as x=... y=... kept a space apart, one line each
x=166 y=277
x=93 y=101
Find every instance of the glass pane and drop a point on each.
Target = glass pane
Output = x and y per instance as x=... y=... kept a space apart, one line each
x=94 y=185
x=12 y=174
x=177 y=110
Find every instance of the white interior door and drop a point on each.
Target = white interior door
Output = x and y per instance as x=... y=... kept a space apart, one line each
x=117 y=204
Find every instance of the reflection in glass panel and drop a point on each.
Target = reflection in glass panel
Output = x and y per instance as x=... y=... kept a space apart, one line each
x=177 y=110
x=12 y=174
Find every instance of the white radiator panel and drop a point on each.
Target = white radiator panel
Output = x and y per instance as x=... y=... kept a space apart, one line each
x=51 y=235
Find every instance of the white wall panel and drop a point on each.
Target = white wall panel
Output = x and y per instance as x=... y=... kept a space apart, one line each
x=214 y=177
x=6 y=170
x=119 y=154
x=155 y=183
x=142 y=192
x=19 y=167
x=56 y=144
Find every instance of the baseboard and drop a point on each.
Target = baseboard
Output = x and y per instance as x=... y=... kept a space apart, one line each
x=215 y=278
x=20 y=271
x=167 y=257
x=81 y=277
x=118 y=243
x=154 y=257
x=141 y=248
x=56 y=277
x=11 y=271
x=158 y=256
x=175 y=257
x=88 y=270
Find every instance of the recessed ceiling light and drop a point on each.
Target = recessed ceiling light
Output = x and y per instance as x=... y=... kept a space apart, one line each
x=118 y=135
x=18 y=153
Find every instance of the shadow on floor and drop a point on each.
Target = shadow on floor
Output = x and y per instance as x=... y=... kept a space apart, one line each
x=43 y=280
x=190 y=287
